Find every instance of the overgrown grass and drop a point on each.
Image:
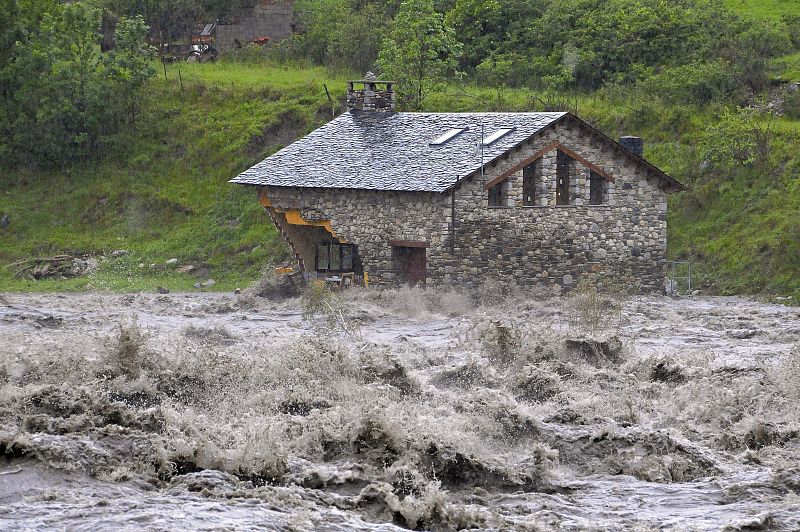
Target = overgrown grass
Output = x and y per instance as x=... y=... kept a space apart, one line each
x=166 y=192
x=767 y=9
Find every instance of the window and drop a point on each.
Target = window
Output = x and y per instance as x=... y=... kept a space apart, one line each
x=447 y=136
x=596 y=192
x=497 y=135
x=529 y=174
x=497 y=195
x=562 y=178
x=322 y=257
x=336 y=257
x=347 y=258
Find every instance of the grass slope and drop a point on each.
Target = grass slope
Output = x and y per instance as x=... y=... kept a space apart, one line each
x=168 y=196
x=766 y=9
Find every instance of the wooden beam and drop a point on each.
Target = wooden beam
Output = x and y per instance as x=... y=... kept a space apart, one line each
x=517 y=167
x=550 y=147
x=591 y=166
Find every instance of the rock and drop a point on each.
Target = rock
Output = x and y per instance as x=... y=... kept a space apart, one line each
x=170 y=262
x=742 y=334
x=141 y=265
x=162 y=290
x=185 y=269
x=196 y=285
x=152 y=266
x=4 y=220
x=280 y=286
x=695 y=292
x=664 y=372
x=208 y=282
x=596 y=352
x=119 y=253
x=567 y=280
x=80 y=267
x=793 y=87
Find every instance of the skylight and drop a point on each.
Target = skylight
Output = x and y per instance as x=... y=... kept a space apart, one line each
x=447 y=136
x=497 y=135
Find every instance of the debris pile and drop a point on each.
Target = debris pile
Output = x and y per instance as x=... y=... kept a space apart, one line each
x=56 y=267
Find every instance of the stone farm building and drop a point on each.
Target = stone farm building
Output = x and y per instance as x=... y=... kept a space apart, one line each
x=253 y=21
x=460 y=198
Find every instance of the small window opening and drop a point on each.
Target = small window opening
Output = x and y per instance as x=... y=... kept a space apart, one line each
x=529 y=174
x=596 y=192
x=336 y=257
x=347 y=258
x=447 y=136
x=497 y=135
x=562 y=178
x=497 y=195
x=322 y=257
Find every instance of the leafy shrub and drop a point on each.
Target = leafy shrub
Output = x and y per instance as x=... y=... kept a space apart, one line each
x=695 y=83
x=323 y=308
x=791 y=105
x=738 y=139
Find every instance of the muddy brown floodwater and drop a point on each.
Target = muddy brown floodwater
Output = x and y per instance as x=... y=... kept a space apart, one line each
x=398 y=409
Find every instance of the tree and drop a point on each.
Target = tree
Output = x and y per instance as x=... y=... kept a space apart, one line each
x=130 y=63
x=420 y=52
x=67 y=99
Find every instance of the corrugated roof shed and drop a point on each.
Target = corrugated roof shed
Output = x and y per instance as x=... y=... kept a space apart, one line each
x=393 y=151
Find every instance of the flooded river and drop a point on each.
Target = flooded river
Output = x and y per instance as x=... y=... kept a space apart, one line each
x=398 y=409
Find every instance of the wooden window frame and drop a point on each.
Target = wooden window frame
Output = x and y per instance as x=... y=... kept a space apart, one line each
x=499 y=194
x=563 y=178
x=529 y=182
x=597 y=192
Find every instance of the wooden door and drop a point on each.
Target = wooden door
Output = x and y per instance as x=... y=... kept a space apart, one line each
x=411 y=264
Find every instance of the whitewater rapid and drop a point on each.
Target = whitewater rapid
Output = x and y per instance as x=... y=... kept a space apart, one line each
x=398 y=409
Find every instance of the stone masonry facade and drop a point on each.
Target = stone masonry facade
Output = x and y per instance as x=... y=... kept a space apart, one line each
x=620 y=242
x=264 y=18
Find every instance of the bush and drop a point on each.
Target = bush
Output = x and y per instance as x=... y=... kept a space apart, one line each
x=324 y=309
x=739 y=139
x=695 y=83
x=791 y=105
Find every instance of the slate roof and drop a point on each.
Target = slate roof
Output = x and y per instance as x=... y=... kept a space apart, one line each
x=374 y=151
x=393 y=152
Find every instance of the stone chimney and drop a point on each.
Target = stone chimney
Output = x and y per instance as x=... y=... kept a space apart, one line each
x=372 y=96
x=634 y=145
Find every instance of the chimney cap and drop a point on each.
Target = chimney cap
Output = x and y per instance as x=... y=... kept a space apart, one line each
x=369 y=77
x=635 y=145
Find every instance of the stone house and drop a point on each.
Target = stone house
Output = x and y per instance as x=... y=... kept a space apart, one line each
x=254 y=20
x=460 y=198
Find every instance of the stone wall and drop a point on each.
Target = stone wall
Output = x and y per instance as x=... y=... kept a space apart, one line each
x=266 y=18
x=369 y=219
x=622 y=241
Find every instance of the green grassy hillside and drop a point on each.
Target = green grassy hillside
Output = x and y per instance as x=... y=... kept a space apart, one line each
x=768 y=9
x=167 y=196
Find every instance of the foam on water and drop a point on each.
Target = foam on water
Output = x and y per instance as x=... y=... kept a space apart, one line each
x=399 y=409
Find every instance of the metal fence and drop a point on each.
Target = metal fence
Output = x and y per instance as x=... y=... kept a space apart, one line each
x=679 y=277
